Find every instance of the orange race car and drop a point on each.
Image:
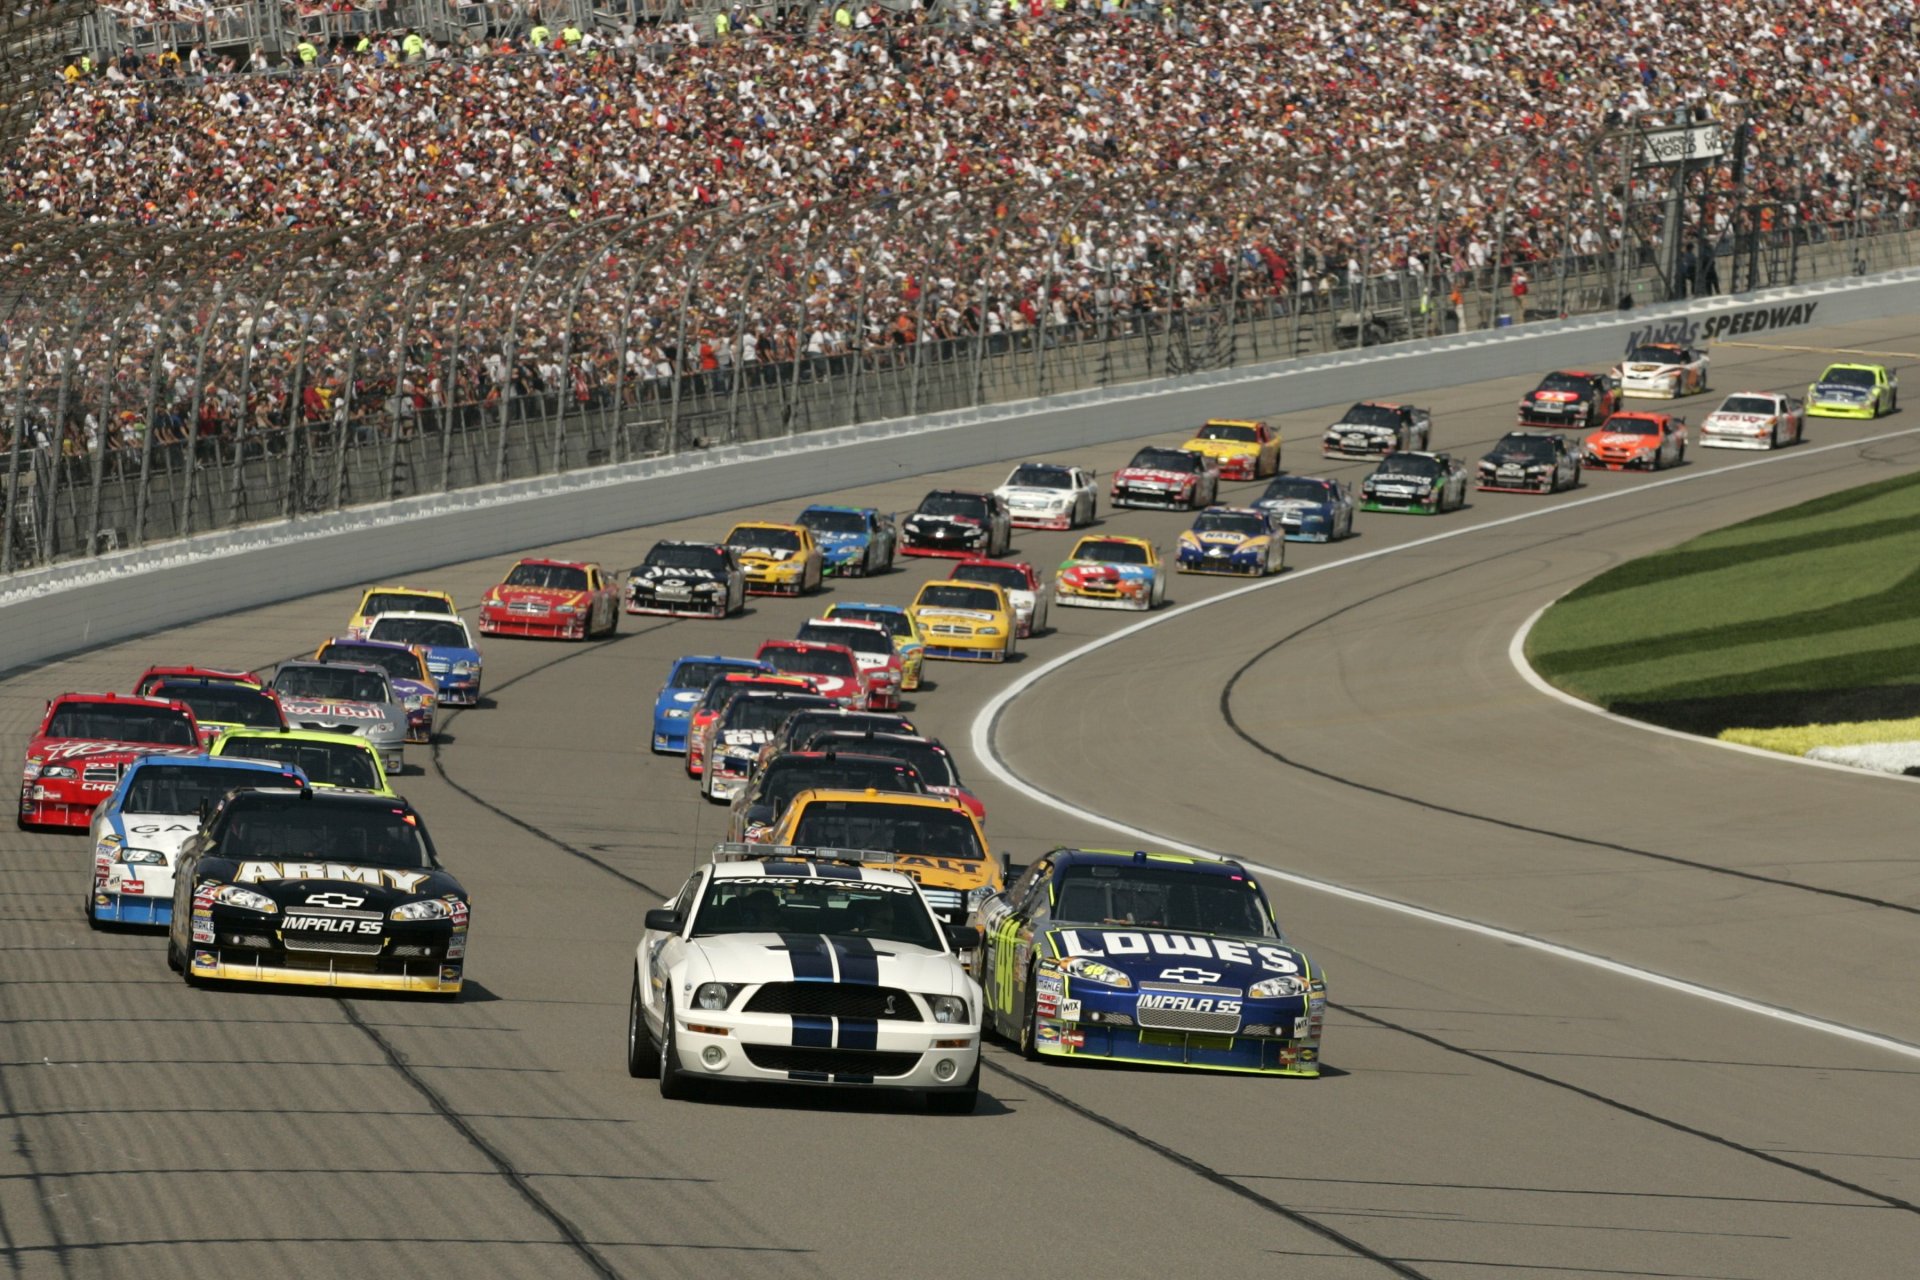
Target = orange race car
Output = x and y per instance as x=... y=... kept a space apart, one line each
x=1639 y=441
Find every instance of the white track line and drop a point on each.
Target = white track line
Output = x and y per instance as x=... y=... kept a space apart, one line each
x=985 y=723
x=1517 y=655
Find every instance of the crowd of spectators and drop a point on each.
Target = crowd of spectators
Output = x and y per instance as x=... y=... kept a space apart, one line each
x=638 y=208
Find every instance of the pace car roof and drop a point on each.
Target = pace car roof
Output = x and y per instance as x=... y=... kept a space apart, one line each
x=1134 y=857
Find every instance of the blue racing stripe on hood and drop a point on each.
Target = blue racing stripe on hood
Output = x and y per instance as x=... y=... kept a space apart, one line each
x=807 y=953
x=859 y=963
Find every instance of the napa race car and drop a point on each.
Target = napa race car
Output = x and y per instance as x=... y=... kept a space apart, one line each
x=965 y=621
x=1167 y=479
x=1026 y=590
x=1662 y=370
x=1374 y=429
x=899 y=625
x=1050 y=495
x=406 y=668
x=218 y=705
x=1422 y=483
x=1754 y=420
x=85 y=743
x=452 y=660
x=1853 y=391
x=1106 y=571
x=958 y=523
x=779 y=559
x=1243 y=541
x=343 y=761
x=687 y=580
x=804 y=966
x=138 y=830
x=686 y=681
x=1308 y=508
x=1643 y=441
x=855 y=542
x=1244 y=448
x=381 y=600
x=1530 y=462
x=1148 y=957
x=1570 y=398
x=319 y=889
x=337 y=698
x=561 y=599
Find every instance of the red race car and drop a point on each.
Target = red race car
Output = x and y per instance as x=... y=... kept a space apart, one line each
x=143 y=687
x=1642 y=441
x=706 y=712
x=85 y=743
x=564 y=599
x=834 y=668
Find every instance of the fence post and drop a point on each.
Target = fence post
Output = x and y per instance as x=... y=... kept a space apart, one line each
x=296 y=470
x=105 y=441
x=13 y=465
x=57 y=446
x=184 y=522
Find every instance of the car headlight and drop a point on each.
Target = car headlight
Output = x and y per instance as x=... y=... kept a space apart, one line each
x=947 y=1008
x=1275 y=988
x=419 y=701
x=566 y=608
x=232 y=895
x=144 y=857
x=675 y=713
x=466 y=668
x=713 y=996
x=988 y=631
x=1087 y=969
x=55 y=772
x=978 y=895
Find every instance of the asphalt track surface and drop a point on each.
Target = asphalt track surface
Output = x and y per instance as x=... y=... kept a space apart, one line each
x=1489 y=1108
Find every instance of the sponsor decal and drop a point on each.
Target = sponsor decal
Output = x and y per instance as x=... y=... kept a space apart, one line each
x=329 y=924
x=205 y=960
x=1189 y=973
x=340 y=710
x=1072 y=1039
x=450 y=973
x=162 y=828
x=374 y=877
x=1725 y=324
x=203 y=933
x=1126 y=942
x=1047 y=1035
x=1070 y=1011
x=337 y=901
x=1188 y=1004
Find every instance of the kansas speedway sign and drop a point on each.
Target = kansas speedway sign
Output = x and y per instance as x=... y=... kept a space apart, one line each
x=1725 y=324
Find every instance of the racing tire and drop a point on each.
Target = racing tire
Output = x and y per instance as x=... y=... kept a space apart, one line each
x=173 y=957
x=643 y=1056
x=675 y=1085
x=1029 y=1036
x=93 y=921
x=957 y=1102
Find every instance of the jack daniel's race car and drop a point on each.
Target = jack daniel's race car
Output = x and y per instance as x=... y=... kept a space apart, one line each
x=687 y=579
x=315 y=888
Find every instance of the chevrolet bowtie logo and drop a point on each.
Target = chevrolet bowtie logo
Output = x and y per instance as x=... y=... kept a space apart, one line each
x=338 y=901
x=1189 y=974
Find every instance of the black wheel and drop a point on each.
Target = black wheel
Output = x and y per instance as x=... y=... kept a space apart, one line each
x=957 y=1102
x=643 y=1056
x=674 y=1084
x=1030 y=1023
x=86 y=909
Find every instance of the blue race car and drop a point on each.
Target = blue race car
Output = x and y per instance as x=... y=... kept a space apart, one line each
x=157 y=807
x=1308 y=508
x=1148 y=957
x=452 y=660
x=685 y=683
x=855 y=542
x=1243 y=541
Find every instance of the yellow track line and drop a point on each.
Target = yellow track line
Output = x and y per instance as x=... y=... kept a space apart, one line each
x=1824 y=351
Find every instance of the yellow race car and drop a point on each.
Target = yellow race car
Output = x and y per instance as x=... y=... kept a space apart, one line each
x=1246 y=449
x=379 y=600
x=967 y=621
x=342 y=761
x=779 y=559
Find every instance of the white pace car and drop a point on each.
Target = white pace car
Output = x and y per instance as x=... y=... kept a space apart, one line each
x=1050 y=495
x=782 y=965
x=1754 y=420
x=1662 y=371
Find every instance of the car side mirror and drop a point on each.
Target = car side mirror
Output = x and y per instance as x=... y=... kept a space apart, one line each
x=964 y=937
x=663 y=920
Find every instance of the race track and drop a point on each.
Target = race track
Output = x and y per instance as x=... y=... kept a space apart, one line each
x=1732 y=1095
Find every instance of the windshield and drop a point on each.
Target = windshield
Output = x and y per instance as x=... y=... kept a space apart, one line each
x=1165 y=460
x=1371 y=415
x=1001 y=575
x=1035 y=476
x=803 y=736
x=1848 y=377
x=1229 y=431
x=1566 y=382
x=431 y=632
x=698 y=675
x=1109 y=551
x=764 y=713
x=367 y=835
x=953 y=504
x=1160 y=898
x=929 y=759
x=897 y=828
x=937 y=595
x=1622 y=425
x=107 y=722
x=1519 y=448
x=665 y=556
x=809 y=662
x=1409 y=464
x=553 y=577
x=1297 y=489
x=340 y=684
x=176 y=788
x=787 y=777
x=1657 y=355
x=224 y=704
x=823 y=520
x=839 y=908
x=764 y=539
x=401 y=663
x=1224 y=522
x=332 y=764
x=858 y=639
x=1749 y=404
x=894 y=621
x=400 y=602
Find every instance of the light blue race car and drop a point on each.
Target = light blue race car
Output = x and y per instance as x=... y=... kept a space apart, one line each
x=687 y=680
x=855 y=542
x=452 y=660
x=138 y=831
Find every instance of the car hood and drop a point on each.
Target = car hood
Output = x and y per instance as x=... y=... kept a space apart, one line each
x=1220 y=538
x=165 y=832
x=1841 y=391
x=966 y=615
x=553 y=596
x=1157 y=475
x=300 y=711
x=1292 y=506
x=1403 y=477
x=74 y=750
x=447 y=655
x=1361 y=429
x=1026 y=494
x=1621 y=440
x=651 y=573
x=1102 y=571
x=1176 y=956
x=1220 y=448
x=794 y=957
x=775 y=555
x=297 y=883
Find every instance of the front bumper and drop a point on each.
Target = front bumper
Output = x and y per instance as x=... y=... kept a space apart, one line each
x=1377 y=447
x=850 y=562
x=423 y=979
x=769 y=585
x=229 y=944
x=1836 y=409
x=1225 y=567
x=1428 y=505
x=462 y=691
x=1239 y=467
x=1665 y=389
x=1058 y=520
x=133 y=909
x=1539 y=484
x=945 y=549
x=792 y=1049
x=706 y=605
x=1636 y=462
x=669 y=735
x=1255 y=1055
x=1140 y=603
x=1534 y=417
x=60 y=803
x=1729 y=440
x=552 y=626
x=1152 y=499
x=956 y=651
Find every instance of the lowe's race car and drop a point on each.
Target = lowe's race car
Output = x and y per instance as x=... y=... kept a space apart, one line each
x=855 y=542
x=1308 y=508
x=1148 y=957
x=787 y=965
x=687 y=579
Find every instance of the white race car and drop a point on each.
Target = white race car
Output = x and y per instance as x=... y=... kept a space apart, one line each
x=783 y=965
x=1754 y=420
x=1662 y=371
x=1050 y=495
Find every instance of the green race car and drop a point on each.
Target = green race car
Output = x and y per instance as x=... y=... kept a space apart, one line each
x=1853 y=391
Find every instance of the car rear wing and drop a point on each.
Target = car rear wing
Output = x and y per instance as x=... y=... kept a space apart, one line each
x=741 y=851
